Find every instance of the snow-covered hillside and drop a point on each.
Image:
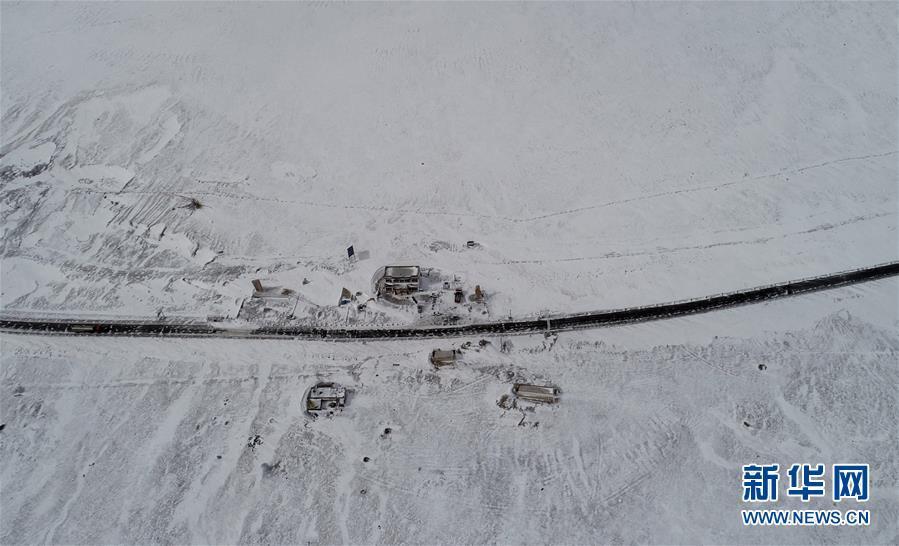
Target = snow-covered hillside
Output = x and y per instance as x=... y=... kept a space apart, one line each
x=604 y=155
x=114 y=440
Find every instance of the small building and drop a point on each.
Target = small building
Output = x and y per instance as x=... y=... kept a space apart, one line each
x=440 y=358
x=536 y=393
x=325 y=398
x=400 y=280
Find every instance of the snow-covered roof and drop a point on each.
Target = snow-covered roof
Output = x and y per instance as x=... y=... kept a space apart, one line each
x=401 y=271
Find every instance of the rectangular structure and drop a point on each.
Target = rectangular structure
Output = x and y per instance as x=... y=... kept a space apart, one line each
x=325 y=398
x=401 y=279
x=440 y=358
x=536 y=393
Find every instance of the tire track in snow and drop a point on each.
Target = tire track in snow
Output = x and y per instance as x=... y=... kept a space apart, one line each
x=510 y=219
x=713 y=187
x=687 y=248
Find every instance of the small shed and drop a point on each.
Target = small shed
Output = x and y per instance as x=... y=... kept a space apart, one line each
x=546 y=394
x=325 y=398
x=441 y=358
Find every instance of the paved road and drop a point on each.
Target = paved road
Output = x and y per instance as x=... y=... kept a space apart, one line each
x=555 y=323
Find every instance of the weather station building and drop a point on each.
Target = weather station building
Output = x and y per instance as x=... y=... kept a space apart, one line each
x=399 y=280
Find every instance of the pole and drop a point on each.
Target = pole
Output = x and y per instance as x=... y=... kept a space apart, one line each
x=296 y=303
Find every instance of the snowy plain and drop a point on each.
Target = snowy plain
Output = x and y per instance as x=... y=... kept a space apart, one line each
x=604 y=155
x=112 y=440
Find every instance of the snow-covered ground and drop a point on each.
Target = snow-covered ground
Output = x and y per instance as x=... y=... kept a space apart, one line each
x=157 y=157
x=110 y=440
x=603 y=154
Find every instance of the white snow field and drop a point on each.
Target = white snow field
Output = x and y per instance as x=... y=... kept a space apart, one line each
x=155 y=158
x=603 y=154
x=180 y=441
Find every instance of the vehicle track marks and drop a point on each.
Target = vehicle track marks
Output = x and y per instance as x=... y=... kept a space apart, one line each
x=510 y=219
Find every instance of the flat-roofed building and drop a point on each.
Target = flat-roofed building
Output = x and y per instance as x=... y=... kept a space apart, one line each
x=441 y=358
x=536 y=393
x=325 y=398
x=400 y=280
